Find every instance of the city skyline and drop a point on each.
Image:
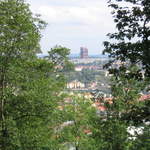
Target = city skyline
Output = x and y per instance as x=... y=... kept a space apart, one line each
x=74 y=23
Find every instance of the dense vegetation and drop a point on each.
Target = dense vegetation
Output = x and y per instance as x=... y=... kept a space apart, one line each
x=131 y=46
x=36 y=113
x=28 y=86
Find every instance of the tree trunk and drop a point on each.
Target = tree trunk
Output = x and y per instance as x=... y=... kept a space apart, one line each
x=3 y=123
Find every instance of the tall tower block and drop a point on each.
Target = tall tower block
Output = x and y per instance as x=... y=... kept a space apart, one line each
x=83 y=52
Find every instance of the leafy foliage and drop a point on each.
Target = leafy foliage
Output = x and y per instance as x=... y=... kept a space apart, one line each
x=132 y=37
x=29 y=87
x=130 y=46
x=75 y=126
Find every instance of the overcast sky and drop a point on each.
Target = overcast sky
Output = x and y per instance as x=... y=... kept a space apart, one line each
x=74 y=23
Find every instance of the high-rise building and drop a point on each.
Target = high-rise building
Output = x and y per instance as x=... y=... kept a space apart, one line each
x=83 y=52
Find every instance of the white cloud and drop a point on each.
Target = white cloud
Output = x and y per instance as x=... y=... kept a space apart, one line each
x=68 y=14
x=87 y=10
x=77 y=20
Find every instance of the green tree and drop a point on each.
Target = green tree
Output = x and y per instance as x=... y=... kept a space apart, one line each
x=59 y=57
x=29 y=87
x=117 y=117
x=131 y=40
x=131 y=46
x=19 y=40
x=143 y=140
x=74 y=124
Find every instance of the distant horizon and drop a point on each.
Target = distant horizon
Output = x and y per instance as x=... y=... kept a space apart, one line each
x=76 y=55
x=45 y=53
x=77 y=52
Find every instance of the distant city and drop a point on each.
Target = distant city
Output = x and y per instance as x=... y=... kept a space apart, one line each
x=83 y=54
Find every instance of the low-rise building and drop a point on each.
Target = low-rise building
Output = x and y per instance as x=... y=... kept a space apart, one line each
x=75 y=85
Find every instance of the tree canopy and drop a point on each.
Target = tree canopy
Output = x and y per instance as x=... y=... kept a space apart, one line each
x=131 y=41
x=29 y=87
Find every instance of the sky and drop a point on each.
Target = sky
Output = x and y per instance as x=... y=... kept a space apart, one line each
x=74 y=23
